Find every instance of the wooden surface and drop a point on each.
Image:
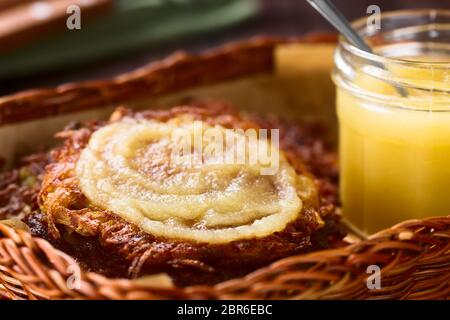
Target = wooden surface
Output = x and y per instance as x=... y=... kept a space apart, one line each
x=278 y=17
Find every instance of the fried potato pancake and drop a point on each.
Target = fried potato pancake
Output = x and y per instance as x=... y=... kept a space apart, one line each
x=114 y=242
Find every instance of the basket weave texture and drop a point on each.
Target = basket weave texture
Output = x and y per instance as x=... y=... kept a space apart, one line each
x=414 y=256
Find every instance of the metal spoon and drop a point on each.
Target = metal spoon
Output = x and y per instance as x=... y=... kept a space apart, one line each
x=329 y=11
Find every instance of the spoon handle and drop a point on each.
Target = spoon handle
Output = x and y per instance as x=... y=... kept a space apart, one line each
x=329 y=11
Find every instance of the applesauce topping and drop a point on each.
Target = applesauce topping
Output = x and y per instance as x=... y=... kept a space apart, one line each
x=182 y=179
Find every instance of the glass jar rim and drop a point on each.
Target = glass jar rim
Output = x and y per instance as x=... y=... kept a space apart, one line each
x=361 y=22
x=408 y=33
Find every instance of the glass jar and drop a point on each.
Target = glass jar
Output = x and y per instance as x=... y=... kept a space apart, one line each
x=393 y=108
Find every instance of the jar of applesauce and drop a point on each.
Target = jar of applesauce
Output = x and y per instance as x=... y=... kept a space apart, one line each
x=393 y=108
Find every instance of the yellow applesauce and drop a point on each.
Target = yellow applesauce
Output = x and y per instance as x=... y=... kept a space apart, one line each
x=394 y=149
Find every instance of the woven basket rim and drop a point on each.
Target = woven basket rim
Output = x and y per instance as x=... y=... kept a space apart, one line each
x=326 y=274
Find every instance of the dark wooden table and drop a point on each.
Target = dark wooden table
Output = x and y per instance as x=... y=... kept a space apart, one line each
x=278 y=17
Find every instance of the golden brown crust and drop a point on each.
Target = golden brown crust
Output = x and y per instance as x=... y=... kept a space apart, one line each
x=64 y=204
x=19 y=187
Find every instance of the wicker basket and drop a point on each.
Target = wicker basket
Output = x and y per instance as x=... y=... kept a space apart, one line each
x=414 y=256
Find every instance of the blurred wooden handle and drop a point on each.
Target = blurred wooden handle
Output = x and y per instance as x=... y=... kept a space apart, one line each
x=31 y=20
x=6 y=4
